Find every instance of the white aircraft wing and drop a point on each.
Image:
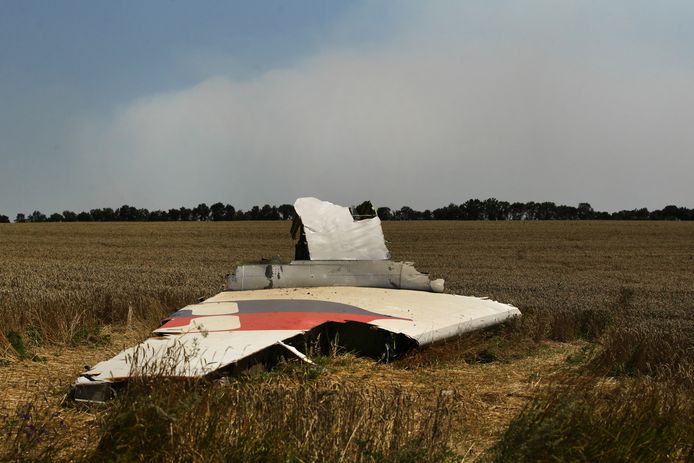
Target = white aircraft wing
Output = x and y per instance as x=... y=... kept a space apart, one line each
x=233 y=327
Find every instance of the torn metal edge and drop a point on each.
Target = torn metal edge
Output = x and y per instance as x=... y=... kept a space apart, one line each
x=362 y=339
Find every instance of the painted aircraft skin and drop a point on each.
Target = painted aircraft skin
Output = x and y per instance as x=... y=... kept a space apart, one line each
x=265 y=315
x=202 y=338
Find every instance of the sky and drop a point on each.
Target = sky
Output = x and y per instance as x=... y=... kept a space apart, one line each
x=160 y=104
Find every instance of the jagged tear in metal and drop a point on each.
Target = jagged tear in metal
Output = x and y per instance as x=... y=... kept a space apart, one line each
x=374 y=307
x=332 y=233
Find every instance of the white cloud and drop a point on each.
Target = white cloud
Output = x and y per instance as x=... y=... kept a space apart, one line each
x=448 y=108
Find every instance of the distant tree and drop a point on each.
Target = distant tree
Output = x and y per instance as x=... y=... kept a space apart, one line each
x=4 y=219
x=265 y=212
x=126 y=213
x=531 y=210
x=158 y=216
x=268 y=212
x=201 y=212
x=229 y=212
x=641 y=214
x=286 y=211
x=185 y=214
x=405 y=213
x=491 y=209
x=384 y=213
x=104 y=215
x=635 y=214
x=450 y=212
x=84 y=217
x=566 y=212
x=505 y=210
x=585 y=211
x=517 y=211
x=69 y=216
x=37 y=216
x=174 y=215
x=546 y=211
x=253 y=214
x=217 y=211
x=419 y=215
x=97 y=215
x=686 y=214
x=440 y=213
x=472 y=209
x=108 y=214
x=365 y=209
x=678 y=213
x=141 y=215
x=670 y=212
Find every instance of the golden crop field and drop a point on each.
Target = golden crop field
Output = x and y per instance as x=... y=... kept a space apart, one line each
x=604 y=352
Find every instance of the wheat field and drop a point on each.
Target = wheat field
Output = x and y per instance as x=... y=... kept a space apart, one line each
x=606 y=337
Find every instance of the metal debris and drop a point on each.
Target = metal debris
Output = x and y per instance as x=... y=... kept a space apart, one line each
x=355 y=298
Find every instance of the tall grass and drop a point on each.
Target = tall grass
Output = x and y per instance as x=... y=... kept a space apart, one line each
x=32 y=431
x=644 y=349
x=591 y=420
x=631 y=401
x=286 y=421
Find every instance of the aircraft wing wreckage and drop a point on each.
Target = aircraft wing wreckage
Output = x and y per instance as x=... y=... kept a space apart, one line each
x=352 y=296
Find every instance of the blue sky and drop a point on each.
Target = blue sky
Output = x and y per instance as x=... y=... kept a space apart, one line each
x=105 y=52
x=160 y=104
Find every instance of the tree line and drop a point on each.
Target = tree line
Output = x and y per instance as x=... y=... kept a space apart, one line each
x=472 y=209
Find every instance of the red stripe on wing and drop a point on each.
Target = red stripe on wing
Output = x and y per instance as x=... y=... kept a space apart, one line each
x=283 y=320
x=299 y=320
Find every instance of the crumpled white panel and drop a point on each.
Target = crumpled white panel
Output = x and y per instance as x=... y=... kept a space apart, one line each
x=332 y=233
